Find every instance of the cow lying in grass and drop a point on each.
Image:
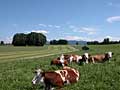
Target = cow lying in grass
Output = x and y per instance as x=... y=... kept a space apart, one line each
x=85 y=58
x=71 y=58
x=60 y=61
x=75 y=58
x=57 y=78
x=101 y=57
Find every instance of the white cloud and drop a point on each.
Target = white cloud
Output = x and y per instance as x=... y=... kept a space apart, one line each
x=57 y=26
x=54 y=26
x=43 y=25
x=112 y=38
x=113 y=19
x=50 y=26
x=7 y=39
x=77 y=38
x=72 y=27
x=40 y=31
x=87 y=30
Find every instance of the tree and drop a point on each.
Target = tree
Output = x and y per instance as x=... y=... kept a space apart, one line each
x=37 y=39
x=77 y=43
x=85 y=48
x=59 y=42
x=19 y=39
x=53 y=42
x=32 y=39
x=2 y=43
x=62 y=42
x=106 y=41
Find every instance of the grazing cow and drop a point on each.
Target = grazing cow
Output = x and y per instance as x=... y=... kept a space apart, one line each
x=101 y=57
x=57 y=78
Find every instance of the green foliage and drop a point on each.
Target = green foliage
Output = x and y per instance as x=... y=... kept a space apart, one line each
x=19 y=39
x=104 y=42
x=17 y=74
x=2 y=43
x=37 y=39
x=59 y=42
x=31 y=39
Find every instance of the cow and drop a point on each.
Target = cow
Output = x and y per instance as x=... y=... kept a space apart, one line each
x=85 y=58
x=73 y=74
x=101 y=57
x=60 y=61
x=74 y=58
x=57 y=78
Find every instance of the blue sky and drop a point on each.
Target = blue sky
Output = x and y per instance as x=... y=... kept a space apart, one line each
x=61 y=19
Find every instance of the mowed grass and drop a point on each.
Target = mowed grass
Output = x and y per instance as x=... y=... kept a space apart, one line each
x=10 y=53
x=16 y=72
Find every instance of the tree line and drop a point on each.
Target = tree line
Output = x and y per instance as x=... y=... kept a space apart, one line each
x=105 y=41
x=31 y=39
x=58 y=42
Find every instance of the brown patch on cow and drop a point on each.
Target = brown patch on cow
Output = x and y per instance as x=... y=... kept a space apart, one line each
x=53 y=79
x=57 y=62
x=72 y=74
x=99 y=58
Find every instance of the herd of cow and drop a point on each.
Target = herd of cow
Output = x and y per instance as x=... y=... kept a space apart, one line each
x=66 y=75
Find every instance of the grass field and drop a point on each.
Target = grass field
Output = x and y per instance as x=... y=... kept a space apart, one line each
x=18 y=63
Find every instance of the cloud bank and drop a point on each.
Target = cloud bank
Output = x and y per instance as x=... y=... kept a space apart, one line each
x=113 y=19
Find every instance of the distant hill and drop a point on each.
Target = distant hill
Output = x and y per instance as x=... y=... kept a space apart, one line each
x=73 y=42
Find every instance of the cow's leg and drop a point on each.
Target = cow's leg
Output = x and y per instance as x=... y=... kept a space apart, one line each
x=63 y=64
x=87 y=61
x=93 y=60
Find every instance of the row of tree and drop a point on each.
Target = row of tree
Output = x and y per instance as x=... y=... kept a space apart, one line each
x=105 y=41
x=58 y=42
x=31 y=39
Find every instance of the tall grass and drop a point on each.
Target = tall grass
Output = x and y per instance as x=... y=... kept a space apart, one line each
x=17 y=74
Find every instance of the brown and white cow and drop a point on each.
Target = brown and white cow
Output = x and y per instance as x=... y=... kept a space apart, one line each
x=85 y=57
x=60 y=61
x=101 y=57
x=57 y=78
x=75 y=58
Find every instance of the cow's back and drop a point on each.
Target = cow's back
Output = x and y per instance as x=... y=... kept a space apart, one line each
x=53 y=78
x=98 y=58
x=73 y=75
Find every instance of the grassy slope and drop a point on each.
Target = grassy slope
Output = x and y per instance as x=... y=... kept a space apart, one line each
x=17 y=75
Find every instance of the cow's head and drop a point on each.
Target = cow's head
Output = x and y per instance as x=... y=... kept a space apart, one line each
x=38 y=77
x=108 y=55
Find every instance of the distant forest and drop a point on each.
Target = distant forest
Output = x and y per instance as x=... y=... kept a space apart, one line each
x=105 y=41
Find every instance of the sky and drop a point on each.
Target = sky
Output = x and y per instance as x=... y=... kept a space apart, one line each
x=86 y=20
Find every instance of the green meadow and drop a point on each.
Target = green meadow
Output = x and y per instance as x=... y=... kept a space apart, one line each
x=18 y=63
